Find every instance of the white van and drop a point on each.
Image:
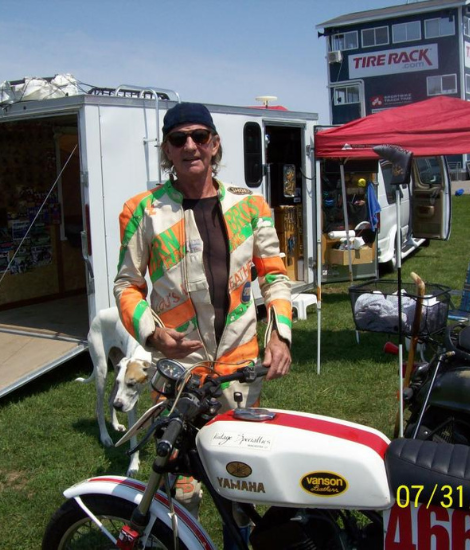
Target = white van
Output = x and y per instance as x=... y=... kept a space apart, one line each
x=419 y=222
x=425 y=213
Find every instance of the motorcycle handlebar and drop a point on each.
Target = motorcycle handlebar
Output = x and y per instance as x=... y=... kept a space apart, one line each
x=244 y=374
x=187 y=407
x=172 y=431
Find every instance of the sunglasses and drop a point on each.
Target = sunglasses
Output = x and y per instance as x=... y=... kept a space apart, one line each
x=200 y=137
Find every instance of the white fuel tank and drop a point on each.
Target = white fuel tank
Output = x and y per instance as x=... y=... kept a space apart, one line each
x=296 y=460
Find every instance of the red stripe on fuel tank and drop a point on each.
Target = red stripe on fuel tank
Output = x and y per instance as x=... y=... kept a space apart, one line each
x=320 y=425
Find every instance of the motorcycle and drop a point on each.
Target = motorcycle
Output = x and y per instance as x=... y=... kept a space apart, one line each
x=438 y=395
x=324 y=483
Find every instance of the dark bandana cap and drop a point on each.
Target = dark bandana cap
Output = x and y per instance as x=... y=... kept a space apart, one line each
x=187 y=113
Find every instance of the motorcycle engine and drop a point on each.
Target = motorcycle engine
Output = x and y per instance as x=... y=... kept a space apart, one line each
x=289 y=529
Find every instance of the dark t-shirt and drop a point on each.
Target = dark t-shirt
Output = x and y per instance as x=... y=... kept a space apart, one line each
x=210 y=223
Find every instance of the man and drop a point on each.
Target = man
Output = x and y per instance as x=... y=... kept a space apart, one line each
x=202 y=308
x=199 y=238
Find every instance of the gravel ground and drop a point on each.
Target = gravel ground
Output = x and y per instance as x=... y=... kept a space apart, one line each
x=465 y=185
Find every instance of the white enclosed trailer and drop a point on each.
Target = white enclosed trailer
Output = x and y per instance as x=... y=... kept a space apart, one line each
x=68 y=165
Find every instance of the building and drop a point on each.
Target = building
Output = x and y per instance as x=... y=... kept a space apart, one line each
x=383 y=58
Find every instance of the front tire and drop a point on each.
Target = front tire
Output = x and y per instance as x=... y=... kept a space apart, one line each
x=71 y=529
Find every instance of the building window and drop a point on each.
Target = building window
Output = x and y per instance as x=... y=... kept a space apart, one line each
x=345 y=41
x=429 y=169
x=439 y=85
x=444 y=26
x=466 y=26
x=346 y=95
x=374 y=37
x=406 y=32
x=467 y=83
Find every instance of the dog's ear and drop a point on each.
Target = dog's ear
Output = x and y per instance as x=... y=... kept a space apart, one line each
x=123 y=362
x=146 y=365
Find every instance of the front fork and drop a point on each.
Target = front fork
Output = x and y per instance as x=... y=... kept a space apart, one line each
x=136 y=534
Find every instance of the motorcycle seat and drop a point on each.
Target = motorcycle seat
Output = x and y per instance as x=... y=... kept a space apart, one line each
x=428 y=467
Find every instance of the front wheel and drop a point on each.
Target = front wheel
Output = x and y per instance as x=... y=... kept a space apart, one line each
x=71 y=529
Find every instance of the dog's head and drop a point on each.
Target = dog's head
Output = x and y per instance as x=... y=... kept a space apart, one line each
x=132 y=375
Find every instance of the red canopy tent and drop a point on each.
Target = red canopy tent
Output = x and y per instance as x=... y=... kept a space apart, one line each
x=437 y=126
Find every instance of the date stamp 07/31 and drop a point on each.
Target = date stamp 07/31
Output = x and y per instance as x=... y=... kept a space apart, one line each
x=441 y=495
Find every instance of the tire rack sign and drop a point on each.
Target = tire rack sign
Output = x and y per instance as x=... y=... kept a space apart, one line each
x=401 y=60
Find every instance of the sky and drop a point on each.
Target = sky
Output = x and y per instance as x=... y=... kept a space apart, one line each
x=212 y=51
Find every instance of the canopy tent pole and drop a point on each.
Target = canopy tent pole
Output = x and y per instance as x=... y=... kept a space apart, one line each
x=401 y=175
x=319 y=266
x=400 y=328
x=346 y=218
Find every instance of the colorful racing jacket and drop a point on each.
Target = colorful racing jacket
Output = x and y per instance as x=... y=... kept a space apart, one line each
x=159 y=236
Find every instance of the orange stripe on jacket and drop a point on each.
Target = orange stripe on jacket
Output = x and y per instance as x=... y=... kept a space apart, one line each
x=282 y=307
x=241 y=215
x=178 y=315
x=273 y=265
x=128 y=301
x=129 y=209
x=238 y=357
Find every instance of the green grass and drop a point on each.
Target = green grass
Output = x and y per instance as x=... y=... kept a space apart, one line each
x=49 y=435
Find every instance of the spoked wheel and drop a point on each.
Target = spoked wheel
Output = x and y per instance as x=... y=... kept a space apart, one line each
x=71 y=529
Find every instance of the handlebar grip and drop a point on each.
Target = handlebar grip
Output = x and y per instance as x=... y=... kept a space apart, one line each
x=166 y=444
x=245 y=374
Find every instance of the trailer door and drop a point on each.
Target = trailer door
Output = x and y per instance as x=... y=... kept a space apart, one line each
x=285 y=190
x=43 y=309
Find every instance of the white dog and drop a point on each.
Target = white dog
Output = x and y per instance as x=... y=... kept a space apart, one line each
x=108 y=339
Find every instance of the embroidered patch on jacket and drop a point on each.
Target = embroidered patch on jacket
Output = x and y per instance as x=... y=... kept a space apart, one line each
x=240 y=191
x=246 y=293
x=194 y=245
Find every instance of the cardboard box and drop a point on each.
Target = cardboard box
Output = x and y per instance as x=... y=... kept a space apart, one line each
x=364 y=255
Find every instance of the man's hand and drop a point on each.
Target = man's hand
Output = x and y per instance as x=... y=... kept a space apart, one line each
x=277 y=357
x=172 y=344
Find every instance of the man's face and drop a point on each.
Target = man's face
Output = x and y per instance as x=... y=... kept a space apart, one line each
x=192 y=158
